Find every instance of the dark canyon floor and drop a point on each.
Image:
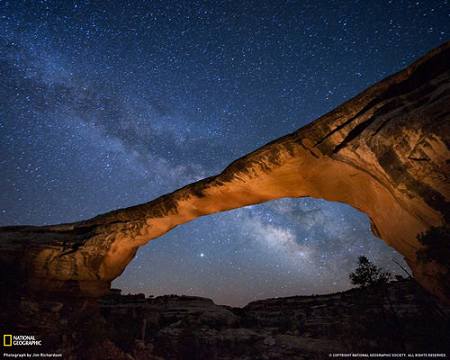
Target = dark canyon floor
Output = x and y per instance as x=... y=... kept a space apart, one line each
x=399 y=318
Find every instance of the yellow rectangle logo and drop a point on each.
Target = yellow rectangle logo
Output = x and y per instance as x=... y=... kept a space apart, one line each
x=7 y=340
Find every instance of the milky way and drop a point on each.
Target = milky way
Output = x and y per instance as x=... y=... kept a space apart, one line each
x=110 y=104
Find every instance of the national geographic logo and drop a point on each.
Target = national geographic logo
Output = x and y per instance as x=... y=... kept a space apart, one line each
x=20 y=340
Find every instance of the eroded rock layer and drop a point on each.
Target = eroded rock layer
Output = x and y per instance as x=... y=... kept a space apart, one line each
x=395 y=318
x=384 y=152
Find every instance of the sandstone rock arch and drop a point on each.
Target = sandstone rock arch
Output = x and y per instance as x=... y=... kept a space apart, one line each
x=384 y=152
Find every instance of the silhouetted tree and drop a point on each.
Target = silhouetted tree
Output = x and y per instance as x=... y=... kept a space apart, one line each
x=435 y=242
x=367 y=274
x=435 y=249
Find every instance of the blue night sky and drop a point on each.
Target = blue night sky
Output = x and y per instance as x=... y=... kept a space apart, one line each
x=107 y=104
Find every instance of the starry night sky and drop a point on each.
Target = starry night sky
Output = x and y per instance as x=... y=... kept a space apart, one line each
x=107 y=104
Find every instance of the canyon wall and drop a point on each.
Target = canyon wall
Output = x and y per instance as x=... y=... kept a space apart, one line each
x=384 y=152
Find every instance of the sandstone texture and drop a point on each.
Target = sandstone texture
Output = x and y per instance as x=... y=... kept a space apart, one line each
x=384 y=152
x=397 y=318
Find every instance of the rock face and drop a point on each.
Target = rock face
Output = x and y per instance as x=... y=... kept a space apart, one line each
x=399 y=317
x=384 y=152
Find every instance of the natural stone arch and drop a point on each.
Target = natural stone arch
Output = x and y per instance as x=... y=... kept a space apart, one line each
x=384 y=152
x=310 y=246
